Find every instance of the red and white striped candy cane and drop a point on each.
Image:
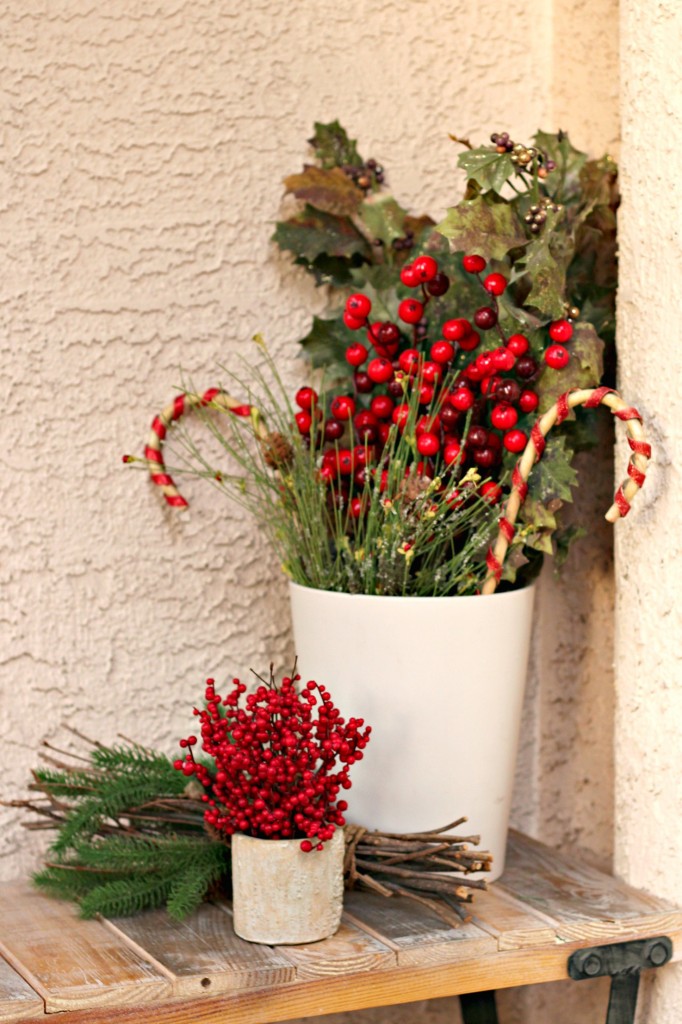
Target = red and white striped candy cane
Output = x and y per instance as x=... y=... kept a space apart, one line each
x=590 y=398
x=153 y=452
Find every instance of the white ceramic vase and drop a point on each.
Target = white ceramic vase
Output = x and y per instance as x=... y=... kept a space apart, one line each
x=282 y=895
x=441 y=681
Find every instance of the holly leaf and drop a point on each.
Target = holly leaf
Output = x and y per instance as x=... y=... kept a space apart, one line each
x=331 y=270
x=565 y=179
x=383 y=217
x=332 y=146
x=328 y=190
x=553 y=476
x=486 y=167
x=484 y=226
x=544 y=263
x=325 y=345
x=564 y=539
x=314 y=233
x=584 y=369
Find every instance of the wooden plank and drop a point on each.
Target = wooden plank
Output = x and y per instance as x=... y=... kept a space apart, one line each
x=202 y=955
x=584 y=902
x=417 y=934
x=71 y=963
x=17 y=999
x=513 y=924
x=350 y=952
x=366 y=989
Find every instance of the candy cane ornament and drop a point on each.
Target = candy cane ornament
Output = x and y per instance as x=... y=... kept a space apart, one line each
x=216 y=399
x=639 y=460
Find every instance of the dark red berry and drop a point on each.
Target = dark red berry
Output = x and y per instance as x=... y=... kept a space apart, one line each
x=333 y=430
x=485 y=457
x=508 y=391
x=485 y=318
x=438 y=285
x=477 y=437
x=363 y=382
x=526 y=367
x=449 y=416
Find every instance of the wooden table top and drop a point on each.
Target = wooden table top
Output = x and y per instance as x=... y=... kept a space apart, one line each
x=150 y=969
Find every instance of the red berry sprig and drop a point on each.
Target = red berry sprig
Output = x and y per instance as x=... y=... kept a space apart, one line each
x=280 y=761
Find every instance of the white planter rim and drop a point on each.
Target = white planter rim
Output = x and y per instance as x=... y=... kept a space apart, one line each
x=507 y=595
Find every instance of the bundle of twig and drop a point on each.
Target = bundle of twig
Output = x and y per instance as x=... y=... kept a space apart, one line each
x=425 y=866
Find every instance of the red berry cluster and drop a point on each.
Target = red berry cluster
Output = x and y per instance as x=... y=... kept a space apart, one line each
x=280 y=761
x=475 y=407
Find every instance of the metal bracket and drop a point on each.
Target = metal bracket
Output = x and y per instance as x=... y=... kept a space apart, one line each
x=621 y=962
x=478 y=1008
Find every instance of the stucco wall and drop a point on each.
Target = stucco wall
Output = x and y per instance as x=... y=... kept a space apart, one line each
x=143 y=149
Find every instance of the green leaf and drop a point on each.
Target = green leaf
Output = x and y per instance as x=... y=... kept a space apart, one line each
x=484 y=226
x=544 y=264
x=584 y=369
x=332 y=146
x=486 y=167
x=314 y=233
x=564 y=182
x=564 y=540
x=383 y=217
x=328 y=190
x=325 y=345
x=553 y=475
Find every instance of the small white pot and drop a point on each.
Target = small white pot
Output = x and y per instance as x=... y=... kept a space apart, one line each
x=441 y=681
x=282 y=895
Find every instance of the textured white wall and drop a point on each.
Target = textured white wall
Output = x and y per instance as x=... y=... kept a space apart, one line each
x=143 y=148
x=648 y=635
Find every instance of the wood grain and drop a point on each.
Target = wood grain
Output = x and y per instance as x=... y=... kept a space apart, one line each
x=17 y=999
x=513 y=924
x=418 y=935
x=350 y=952
x=202 y=955
x=585 y=903
x=388 y=987
x=69 y=962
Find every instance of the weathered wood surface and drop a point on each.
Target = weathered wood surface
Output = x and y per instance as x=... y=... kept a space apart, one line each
x=583 y=902
x=17 y=999
x=150 y=970
x=71 y=963
x=201 y=955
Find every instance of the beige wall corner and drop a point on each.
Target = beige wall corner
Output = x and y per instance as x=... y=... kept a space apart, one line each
x=648 y=637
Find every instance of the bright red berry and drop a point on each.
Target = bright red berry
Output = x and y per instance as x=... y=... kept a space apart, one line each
x=359 y=306
x=515 y=441
x=427 y=425
x=462 y=399
x=409 y=276
x=353 y=323
x=452 y=452
x=557 y=357
x=366 y=426
x=304 y=422
x=454 y=330
x=342 y=407
x=428 y=444
x=518 y=344
x=380 y=370
x=561 y=330
x=425 y=267
x=306 y=845
x=474 y=264
x=411 y=311
x=345 y=462
x=400 y=416
x=356 y=354
x=442 y=352
x=491 y=492
x=503 y=359
x=410 y=361
x=504 y=417
x=306 y=398
x=471 y=341
x=425 y=394
x=382 y=406
x=432 y=372
x=528 y=401
x=355 y=507
x=495 y=284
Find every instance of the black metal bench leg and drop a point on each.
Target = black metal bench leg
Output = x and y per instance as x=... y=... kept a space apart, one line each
x=623 y=999
x=479 y=1008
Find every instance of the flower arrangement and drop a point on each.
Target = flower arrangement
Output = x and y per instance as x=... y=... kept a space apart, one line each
x=388 y=475
x=278 y=764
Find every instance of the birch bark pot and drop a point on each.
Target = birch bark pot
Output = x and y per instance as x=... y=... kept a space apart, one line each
x=282 y=895
x=441 y=681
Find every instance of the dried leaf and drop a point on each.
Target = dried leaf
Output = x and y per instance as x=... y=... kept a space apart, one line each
x=328 y=190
